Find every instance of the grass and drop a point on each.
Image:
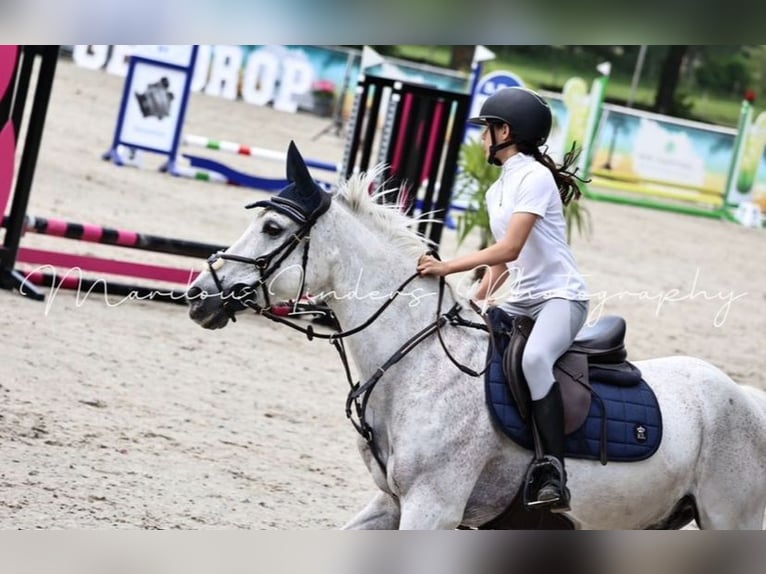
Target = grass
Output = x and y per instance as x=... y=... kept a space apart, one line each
x=552 y=76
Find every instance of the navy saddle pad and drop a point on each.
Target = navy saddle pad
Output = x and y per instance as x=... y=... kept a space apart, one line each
x=632 y=415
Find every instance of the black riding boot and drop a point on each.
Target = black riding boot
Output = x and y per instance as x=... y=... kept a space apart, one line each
x=548 y=413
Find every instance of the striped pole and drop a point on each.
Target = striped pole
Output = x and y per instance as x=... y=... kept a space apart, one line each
x=388 y=126
x=239 y=149
x=119 y=237
x=354 y=132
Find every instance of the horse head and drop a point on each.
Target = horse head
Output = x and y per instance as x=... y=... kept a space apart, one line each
x=270 y=259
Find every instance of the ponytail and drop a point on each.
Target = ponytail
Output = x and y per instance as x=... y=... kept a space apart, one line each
x=566 y=179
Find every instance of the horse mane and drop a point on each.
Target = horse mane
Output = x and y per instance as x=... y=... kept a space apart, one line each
x=388 y=218
x=362 y=195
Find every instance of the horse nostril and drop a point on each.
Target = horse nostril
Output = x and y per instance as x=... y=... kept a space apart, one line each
x=193 y=292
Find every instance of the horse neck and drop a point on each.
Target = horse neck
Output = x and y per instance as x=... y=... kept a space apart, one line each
x=366 y=272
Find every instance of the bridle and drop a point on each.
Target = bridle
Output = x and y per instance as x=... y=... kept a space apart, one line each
x=243 y=296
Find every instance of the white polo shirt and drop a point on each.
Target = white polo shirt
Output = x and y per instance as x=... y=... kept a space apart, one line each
x=546 y=267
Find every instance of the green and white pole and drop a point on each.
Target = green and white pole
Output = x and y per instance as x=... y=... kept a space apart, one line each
x=745 y=116
x=252 y=151
x=596 y=101
x=200 y=175
x=748 y=150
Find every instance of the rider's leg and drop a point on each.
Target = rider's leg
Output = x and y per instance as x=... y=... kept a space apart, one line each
x=548 y=414
x=556 y=326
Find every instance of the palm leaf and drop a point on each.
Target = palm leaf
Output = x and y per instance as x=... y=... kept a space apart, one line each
x=474 y=178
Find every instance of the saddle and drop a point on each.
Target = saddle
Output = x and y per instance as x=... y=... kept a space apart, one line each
x=611 y=413
x=599 y=349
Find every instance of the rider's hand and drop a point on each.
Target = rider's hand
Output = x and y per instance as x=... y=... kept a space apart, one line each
x=428 y=265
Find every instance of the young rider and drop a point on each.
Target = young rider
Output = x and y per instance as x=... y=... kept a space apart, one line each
x=526 y=211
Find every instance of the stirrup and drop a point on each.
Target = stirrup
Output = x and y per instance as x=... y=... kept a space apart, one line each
x=539 y=469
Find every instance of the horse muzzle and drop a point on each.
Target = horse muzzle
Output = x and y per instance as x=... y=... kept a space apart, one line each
x=206 y=309
x=213 y=310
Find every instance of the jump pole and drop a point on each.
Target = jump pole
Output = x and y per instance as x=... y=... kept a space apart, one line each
x=252 y=151
x=109 y=236
x=119 y=237
x=202 y=175
x=44 y=257
x=208 y=169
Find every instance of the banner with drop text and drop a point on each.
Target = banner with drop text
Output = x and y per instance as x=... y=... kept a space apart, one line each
x=287 y=77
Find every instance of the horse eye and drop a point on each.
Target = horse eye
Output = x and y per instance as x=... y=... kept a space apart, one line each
x=272 y=229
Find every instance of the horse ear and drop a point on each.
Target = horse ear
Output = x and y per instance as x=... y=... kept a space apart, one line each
x=297 y=172
x=302 y=199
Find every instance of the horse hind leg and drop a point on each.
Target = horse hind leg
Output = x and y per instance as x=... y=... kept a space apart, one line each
x=731 y=491
x=721 y=513
x=732 y=494
x=715 y=516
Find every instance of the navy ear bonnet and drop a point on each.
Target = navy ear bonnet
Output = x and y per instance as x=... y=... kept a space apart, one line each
x=302 y=200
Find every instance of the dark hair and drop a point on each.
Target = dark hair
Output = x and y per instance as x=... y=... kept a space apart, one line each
x=566 y=179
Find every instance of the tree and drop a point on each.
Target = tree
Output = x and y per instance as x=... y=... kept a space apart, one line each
x=757 y=58
x=665 y=101
x=728 y=70
x=461 y=57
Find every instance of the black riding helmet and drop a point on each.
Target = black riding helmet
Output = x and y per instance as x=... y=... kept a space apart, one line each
x=528 y=115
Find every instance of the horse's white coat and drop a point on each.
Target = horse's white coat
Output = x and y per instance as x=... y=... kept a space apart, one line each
x=446 y=463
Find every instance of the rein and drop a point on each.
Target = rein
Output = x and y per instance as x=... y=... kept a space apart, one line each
x=457 y=320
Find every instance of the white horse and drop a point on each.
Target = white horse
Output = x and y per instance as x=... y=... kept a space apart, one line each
x=443 y=463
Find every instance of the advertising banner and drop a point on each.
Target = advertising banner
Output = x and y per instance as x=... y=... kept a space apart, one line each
x=661 y=152
x=153 y=106
x=288 y=77
x=152 y=113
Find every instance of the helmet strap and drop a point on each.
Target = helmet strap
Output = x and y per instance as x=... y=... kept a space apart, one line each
x=496 y=147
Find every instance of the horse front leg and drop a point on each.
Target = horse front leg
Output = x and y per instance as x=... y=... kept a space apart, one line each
x=433 y=505
x=381 y=513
